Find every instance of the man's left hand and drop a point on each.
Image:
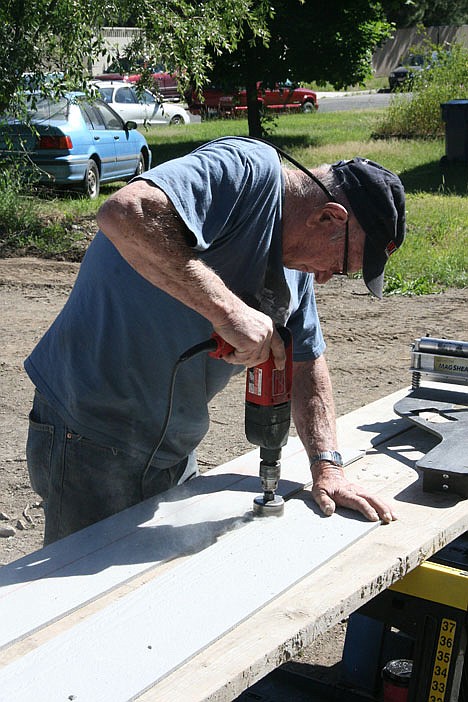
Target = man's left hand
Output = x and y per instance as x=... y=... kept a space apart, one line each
x=331 y=488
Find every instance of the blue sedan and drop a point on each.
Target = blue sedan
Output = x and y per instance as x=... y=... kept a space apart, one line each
x=76 y=143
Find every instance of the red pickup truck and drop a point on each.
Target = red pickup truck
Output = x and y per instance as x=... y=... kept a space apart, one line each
x=284 y=96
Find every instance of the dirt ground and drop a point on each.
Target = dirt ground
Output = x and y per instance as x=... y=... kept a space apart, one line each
x=368 y=355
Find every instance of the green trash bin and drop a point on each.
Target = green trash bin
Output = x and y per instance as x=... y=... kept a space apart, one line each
x=455 y=116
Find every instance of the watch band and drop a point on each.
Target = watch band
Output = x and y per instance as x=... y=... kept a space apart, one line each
x=330 y=456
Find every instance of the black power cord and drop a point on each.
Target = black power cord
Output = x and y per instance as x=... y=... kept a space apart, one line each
x=298 y=165
x=204 y=346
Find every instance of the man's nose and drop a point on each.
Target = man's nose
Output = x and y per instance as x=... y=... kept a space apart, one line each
x=323 y=277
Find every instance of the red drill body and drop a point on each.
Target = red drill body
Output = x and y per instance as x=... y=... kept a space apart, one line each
x=267 y=418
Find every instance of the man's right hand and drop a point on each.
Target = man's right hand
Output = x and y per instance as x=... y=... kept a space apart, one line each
x=253 y=336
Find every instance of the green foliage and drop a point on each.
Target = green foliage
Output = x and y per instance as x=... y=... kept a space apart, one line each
x=53 y=35
x=431 y=13
x=46 y=36
x=22 y=227
x=434 y=253
x=418 y=114
x=432 y=258
x=308 y=41
x=397 y=284
x=15 y=213
x=240 y=41
x=187 y=34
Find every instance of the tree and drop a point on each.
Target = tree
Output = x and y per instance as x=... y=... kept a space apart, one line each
x=429 y=13
x=40 y=36
x=193 y=33
x=308 y=41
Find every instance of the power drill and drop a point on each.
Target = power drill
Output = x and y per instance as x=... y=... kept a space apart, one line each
x=267 y=418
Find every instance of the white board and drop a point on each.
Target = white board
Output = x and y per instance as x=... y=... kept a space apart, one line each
x=139 y=639
x=55 y=581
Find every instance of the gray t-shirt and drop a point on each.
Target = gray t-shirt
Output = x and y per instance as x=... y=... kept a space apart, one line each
x=106 y=362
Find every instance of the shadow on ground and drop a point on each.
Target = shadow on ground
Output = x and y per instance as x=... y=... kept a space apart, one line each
x=442 y=176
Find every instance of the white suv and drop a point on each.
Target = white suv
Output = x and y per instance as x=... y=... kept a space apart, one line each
x=142 y=106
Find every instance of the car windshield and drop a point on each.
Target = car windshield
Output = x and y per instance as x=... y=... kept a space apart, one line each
x=414 y=60
x=106 y=94
x=40 y=109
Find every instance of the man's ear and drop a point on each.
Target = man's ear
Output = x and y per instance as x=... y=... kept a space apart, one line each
x=332 y=213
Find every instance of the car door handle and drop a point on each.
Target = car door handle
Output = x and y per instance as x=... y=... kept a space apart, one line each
x=97 y=138
x=116 y=137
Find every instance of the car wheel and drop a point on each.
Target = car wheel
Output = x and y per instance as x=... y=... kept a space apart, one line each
x=176 y=119
x=141 y=166
x=308 y=106
x=91 y=180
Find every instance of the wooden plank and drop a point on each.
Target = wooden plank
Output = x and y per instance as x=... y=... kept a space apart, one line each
x=71 y=573
x=279 y=631
x=355 y=437
x=372 y=424
x=125 y=546
x=60 y=578
x=390 y=469
x=204 y=597
x=367 y=428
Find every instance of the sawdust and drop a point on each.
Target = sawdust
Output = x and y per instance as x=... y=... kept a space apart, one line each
x=368 y=354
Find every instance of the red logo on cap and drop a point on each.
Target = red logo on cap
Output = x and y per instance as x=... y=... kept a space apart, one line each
x=391 y=248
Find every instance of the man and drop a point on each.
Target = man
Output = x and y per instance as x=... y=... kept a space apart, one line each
x=224 y=239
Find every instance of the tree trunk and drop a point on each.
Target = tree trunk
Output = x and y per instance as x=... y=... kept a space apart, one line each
x=253 y=110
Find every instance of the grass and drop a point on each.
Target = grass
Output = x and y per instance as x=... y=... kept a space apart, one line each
x=435 y=252
x=372 y=83
x=433 y=257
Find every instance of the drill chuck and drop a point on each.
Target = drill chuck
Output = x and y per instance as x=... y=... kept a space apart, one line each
x=269 y=475
x=270 y=471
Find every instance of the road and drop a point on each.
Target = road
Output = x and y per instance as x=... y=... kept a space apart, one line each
x=333 y=102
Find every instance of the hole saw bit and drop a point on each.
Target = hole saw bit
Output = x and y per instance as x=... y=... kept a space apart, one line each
x=267 y=418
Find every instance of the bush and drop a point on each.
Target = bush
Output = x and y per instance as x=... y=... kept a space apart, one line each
x=419 y=114
x=16 y=213
x=24 y=230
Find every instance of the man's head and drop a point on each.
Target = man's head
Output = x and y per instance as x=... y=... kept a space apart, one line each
x=377 y=199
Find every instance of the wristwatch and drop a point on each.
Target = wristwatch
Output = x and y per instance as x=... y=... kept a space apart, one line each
x=330 y=456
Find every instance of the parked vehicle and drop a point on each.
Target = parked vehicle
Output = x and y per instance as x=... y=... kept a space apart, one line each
x=164 y=83
x=140 y=106
x=410 y=67
x=284 y=96
x=76 y=143
x=33 y=83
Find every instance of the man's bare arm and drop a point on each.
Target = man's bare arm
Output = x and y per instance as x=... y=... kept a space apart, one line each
x=143 y=225
x=314 y=417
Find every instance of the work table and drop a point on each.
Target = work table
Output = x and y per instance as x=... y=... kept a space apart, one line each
x=189 y=597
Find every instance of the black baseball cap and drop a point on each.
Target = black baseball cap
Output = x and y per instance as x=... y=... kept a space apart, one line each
x=377 y=199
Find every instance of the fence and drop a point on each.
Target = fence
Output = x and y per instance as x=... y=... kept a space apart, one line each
x=394 y=49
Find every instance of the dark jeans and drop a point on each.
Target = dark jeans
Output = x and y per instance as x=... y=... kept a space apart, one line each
x=82 y=482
